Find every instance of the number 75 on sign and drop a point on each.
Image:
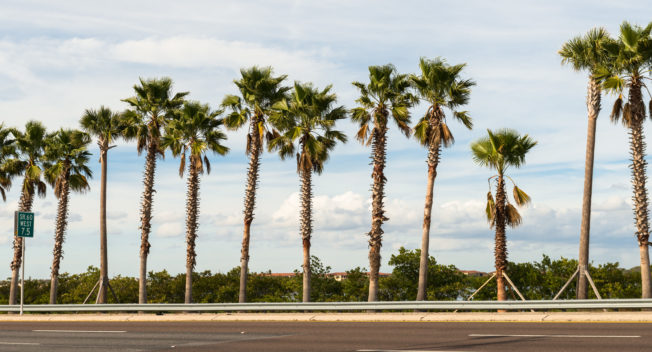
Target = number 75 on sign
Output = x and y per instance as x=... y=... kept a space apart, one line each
x=23 y=224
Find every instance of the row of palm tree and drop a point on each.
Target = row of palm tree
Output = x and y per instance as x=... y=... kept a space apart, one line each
x=293 y=121
x=58 y=158
x=300 y=121
x=618 y=66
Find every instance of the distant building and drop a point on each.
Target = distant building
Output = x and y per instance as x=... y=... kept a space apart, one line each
x=338 y=276
x=474 y=273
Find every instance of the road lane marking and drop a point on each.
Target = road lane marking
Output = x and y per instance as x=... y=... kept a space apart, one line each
x=19 y=343
x=405 y=351
x=82 y=331
x=576 y=336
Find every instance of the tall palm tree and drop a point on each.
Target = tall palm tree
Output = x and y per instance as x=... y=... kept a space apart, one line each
x=500 y=150
x=67 y=158
x=259 y=91
x=588 y=52
x=7 y=153
x=307 y=118
x=386 y=95
x=631 y=61
x=194 y=131
x=442 y=88
x=151 y=108
x=107 y=126
x=29 y=163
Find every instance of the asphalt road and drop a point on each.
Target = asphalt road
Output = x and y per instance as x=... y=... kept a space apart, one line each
x=319 y=336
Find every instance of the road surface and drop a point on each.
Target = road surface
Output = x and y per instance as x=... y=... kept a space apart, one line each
x=321 y=336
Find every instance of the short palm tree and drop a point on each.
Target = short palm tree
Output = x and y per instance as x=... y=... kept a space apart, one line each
x=441 y=86
x=499 y=151
x=7 y=152
x=306 y=121
x=29 y=163
x=194 y=131
x=259 y=91
x=106 y=126
x=631 y=57
x=151 y=108
x=385 y=96
x=67 y=158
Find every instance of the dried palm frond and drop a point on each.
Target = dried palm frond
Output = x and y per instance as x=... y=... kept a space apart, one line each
x=521 y=198
x=512 y=217
x=490 y=210
x=617 y=109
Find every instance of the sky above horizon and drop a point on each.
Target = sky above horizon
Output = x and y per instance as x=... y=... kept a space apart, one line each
x=59 y=58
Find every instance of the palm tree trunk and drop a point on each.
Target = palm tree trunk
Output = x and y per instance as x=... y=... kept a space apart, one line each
x=645 y=270
x=192 y=212
x=146 y=218
x=433 y=160
x=593 y=105
x=62 y=223
x=306 y=228
x=500 y=251
x=249 y=204
x=379 y=145
x=104 y=266
x=26 y=200
x=637 y=149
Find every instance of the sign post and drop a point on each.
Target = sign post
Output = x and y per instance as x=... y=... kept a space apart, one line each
x=23 y=228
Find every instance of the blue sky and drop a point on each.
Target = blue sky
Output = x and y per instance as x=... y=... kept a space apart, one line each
x=59 y=58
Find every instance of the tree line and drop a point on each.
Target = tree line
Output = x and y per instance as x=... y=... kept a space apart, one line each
x=299 y=121
x=536 y=280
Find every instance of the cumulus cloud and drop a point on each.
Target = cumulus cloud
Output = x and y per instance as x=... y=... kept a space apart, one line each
x=170 y=229
x=116 y=215
x=195 y=52
x=340 y=212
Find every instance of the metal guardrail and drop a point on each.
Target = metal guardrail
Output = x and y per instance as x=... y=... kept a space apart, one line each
x=338 y=306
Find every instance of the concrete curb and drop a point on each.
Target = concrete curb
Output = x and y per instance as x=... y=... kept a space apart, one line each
x=522 y=317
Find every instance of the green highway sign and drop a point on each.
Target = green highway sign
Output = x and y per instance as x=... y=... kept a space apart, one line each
x=23 y=224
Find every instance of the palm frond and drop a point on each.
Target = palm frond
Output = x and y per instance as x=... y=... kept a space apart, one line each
x=182 y=164
x=512 y=217
x=464 y=118
x=490 y=209
x=617 y=109
x=520 y=197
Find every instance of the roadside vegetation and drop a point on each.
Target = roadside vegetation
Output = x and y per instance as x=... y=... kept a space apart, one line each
x=536 y=280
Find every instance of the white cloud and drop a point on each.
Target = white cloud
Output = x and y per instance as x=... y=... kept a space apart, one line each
x=170 y=229
x=193 y=52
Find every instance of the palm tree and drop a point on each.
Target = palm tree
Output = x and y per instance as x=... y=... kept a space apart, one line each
x=307 y=118
x=107 y=126
x=194 y=131
x=29 y=163
x=631 y=61
x=385 y=95
x=152 y=107
x=7 y=153
x=260 y=91
x=67 y=158
x=499 y=151
x=588 y=52
x=441 y=87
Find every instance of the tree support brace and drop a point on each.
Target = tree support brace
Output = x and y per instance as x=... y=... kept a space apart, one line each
x=491 y=278
x=580 y=271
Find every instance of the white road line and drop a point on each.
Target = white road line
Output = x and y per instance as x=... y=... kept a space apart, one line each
x=19 y=343
x=405 y=351
x=575 y=336
x=82 y=331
